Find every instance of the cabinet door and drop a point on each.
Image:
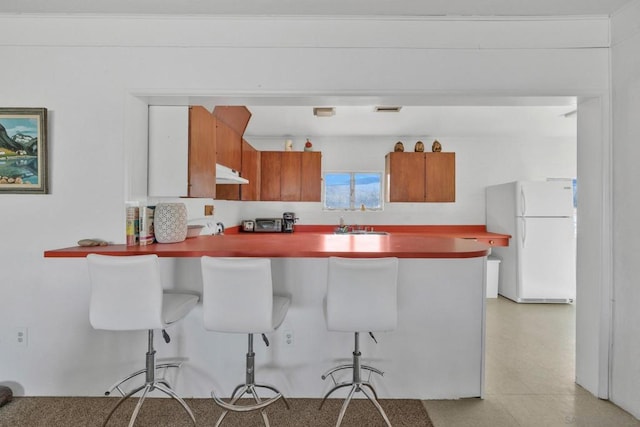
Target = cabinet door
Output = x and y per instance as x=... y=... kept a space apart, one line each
x=229 y=153
x=228 y=146
x=311 y=179
x=250 y=171
x=270 y=166
x=290 y=176
x=440 y=177
x=168 y=151
x=235 y=116
x=202 y=153
x=232 y=122
x=405 y=177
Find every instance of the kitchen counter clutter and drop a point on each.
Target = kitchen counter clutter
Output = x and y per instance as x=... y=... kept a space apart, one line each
x=311 y=241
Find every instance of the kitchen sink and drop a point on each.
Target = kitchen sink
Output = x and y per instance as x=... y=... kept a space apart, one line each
x=354 y=232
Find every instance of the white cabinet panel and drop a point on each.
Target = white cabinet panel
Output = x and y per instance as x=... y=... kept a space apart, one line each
x=168 y=151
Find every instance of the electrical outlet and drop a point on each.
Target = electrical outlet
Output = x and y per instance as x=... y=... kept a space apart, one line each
x=21 y=336
x=288 y=338
x=208 y=210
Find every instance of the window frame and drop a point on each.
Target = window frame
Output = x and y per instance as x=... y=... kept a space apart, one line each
x=352 y=190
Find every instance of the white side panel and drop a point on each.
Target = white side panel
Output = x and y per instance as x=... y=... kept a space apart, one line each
x=625 y=295
x=547 y=258
x=507 y=279
x=545 y=198
x=501 y=209
x=168 y=151
x=593 y=307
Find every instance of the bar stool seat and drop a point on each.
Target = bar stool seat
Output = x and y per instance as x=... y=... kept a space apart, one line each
x=127 y=295
x=361 y=296
x=238 y=298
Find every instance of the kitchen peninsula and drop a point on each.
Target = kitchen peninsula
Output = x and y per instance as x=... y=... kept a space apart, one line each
x=436 y=352
x=318 y=241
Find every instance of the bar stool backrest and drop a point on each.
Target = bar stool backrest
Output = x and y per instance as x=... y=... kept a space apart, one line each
x=237 y=295
x=126 y=292
x=362 y=294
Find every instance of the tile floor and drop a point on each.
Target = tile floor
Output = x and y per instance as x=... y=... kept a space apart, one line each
x=529 y=375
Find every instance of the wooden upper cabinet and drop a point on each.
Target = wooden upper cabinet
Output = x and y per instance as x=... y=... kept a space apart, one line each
x=229 y=153
x=440 y=177
x=251 y=171
x=185 y=143
x=405 y=177
x=231 y=124
x=202 y=153
x=311 y=180
x=235 y=116
x=291 y=176
x=228 y=146
x=420 y=177
x=270 y=167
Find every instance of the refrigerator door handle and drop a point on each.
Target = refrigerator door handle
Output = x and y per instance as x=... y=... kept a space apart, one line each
x=523 y=202
x=524 y=231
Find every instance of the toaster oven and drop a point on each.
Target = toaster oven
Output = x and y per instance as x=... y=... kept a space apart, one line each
x=268 y=225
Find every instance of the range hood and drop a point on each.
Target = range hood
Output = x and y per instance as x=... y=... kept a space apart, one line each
x=226 y=175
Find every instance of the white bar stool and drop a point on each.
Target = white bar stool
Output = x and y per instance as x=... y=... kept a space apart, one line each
x=127 y=295
x=238 y=298
x=361 y=296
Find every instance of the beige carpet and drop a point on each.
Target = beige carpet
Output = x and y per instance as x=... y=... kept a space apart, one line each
x=158 y=412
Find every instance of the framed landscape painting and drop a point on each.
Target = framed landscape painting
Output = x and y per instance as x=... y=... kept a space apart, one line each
x=23 y=150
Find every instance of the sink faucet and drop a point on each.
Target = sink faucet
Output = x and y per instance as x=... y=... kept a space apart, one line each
x=342 y=227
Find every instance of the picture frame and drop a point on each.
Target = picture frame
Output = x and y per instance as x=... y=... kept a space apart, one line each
x=23 y=151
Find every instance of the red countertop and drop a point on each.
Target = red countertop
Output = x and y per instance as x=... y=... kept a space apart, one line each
x=471 y=232
x=317 y=242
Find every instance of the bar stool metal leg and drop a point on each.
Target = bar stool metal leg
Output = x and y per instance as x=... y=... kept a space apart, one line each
x=151 y=384
x=356 y=383
x=162 y=366
x=249 y=387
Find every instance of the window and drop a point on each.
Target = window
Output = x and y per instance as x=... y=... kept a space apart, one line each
x=352 y=190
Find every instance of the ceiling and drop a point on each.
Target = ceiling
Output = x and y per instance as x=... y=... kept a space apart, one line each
x=415 y=121
x=321 y=8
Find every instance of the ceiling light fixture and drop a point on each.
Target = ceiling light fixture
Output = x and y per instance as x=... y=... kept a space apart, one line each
x=387 y=109
x=324 y=111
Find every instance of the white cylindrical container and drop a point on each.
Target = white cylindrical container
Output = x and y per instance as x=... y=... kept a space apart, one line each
x=170 y=222
x=288 y=145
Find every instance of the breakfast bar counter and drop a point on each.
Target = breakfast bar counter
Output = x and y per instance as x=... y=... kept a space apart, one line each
x=436 y=351
x=296 y=245
x=316 y=242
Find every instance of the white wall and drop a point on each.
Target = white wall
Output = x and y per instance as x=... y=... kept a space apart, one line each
x=625 y=380
x=479 y=162
x=95 y=80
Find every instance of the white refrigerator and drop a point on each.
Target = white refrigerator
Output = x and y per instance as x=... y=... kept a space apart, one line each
x=539 y=265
